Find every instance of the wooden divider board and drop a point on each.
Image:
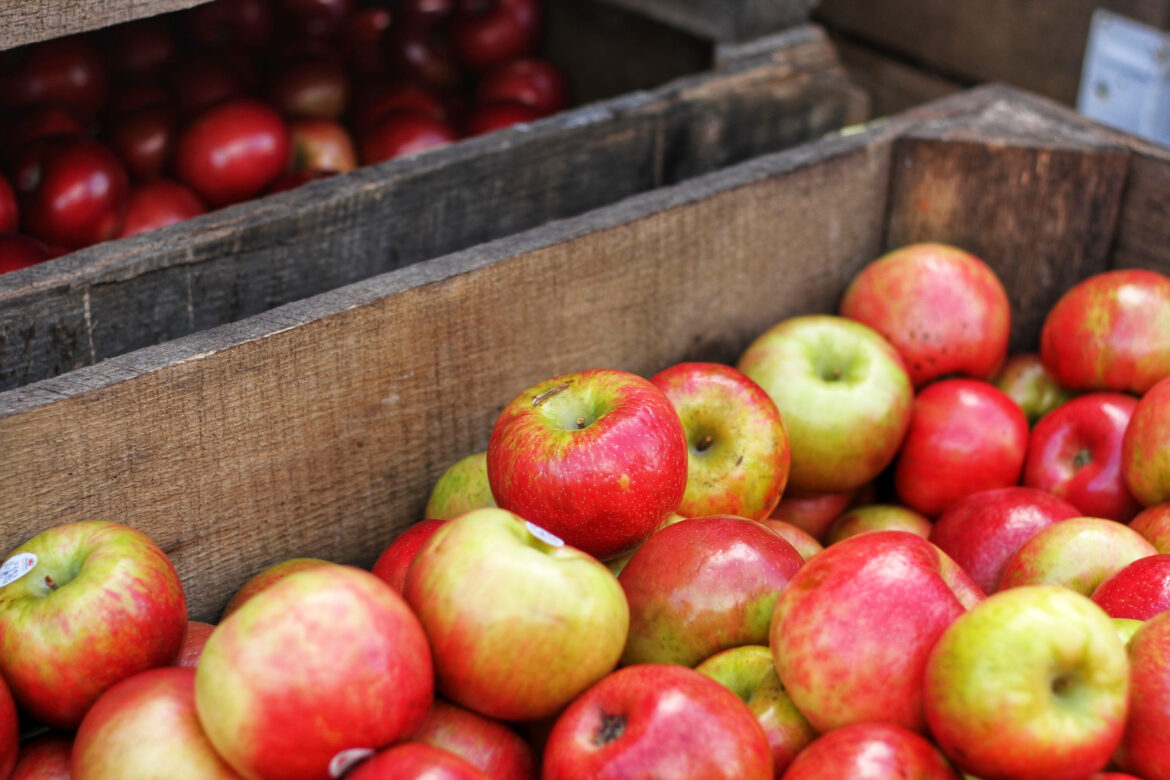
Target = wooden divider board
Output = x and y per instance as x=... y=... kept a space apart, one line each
x=28 y=21
x=724 y=20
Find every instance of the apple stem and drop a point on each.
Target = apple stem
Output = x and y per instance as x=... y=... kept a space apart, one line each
x=547 y=394
x=49 y=583
x=580 y=422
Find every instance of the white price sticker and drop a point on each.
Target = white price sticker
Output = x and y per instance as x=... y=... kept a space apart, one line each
x=550 y=539
x=347 y=760
x=1125 y=79
x=16 y=567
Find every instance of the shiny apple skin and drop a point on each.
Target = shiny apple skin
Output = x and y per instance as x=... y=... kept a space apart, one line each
x=487 y=744
x=403 y=132
x=159 y=203
x=1026 y=381
x=9 y=731
x=1145 y=449
x=310 y=88
x=79 y=197
x=232 y=151
x=69 y=71
x=1146 y=741
x=321 y=145
x=803 y=542
x=1154 y=524
x=533 y=82
x=19 y=251
x=395 y=560
x=145 y=140
x=871 y=751
x=416 y=761
x=877 y=517
x=485 y=33
x=1139 y=591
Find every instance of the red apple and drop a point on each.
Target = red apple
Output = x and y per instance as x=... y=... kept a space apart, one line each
x=9 y=215
x=462 y=487
x=324 y=661
x=317 y=18
x=159 y=203
x=402 y=133
x=19 y=251
x=45 y=757
x=485 y=33
x=1154 y=525
x=86 y=605
x=661 y=721
x=812 y=513
x=9 y=731
x=1078 y=554
x=36 y=122
x=533 y=82
x=202 y=82
x=489 y=745
x=877 y=517
x=943 y=309
x=141 y=48
x=146 y=726
x=69 y=71
x=363 y=34
x=598 y=458
x=852 y=631
x=1146 y=742
x=871 y=751
x=1109 y=332
x=801 y=540
x=196 y=638
x=965 y=436
x=138 y=96
x=1026 y=381
x=415 y=761
x=983 y=531
x=310 y=88
x=145 y=140
x=376 y=101
x=395 y=560
x=290 y=180
x=432 y=12
x=269 y=577
x=1139 y=591
x=1145 y=448
x=422 y=52
x=491 y=117
x=321 y=145
x=232 y=151
x=246 y=23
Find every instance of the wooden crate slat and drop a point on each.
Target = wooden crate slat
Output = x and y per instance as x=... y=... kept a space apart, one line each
x=722 y=20
x=28 y=21
x=891 y=84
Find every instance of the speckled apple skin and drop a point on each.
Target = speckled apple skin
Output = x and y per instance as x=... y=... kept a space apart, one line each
x=416 y=761
x=462 y=487
x=813 y=513
x=1138 y=591
x=1145 y=744
x=1079 y=554
x=1109 y=332
x=395 y=560
x=1026 y=381
x=1154 y=524
x=486 y=743
x=1145 y=448
x=871 y=751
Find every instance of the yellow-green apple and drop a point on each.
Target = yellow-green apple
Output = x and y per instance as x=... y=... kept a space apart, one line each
x=416 y=761
x=943 y=309
x=1145 y=745
x=1139 y=591
x=320 y=145
x=1026 y=381
x=1126 y=628
x=832 y=377
x=661 y=721
x=193 y=642
x=871 y=751
x=489 y=745
x=1078 y=554
x=394 y=561
x=703 y=585
x=1145 y=449
x=877 y=517
x=146 y=727
x=44 y=757
x=1108 y=332
x=9 y=731
x=1030 y=683
x=748 y=672
x=802 y=541
x=519 y=622
x=965 y=436
x=269 y=577
x=461 y=488
x=598 y=458
x=1154 y=525
x=1075 y=453
x=737 y=450
x=984 y=530
x=851 y=632
x=812 y=513
x=86 y=605
x=326 y=661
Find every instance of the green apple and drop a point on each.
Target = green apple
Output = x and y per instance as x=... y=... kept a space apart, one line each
x=1079 y=553
x=461 y=488
x=877 y=517
x=1126 y=628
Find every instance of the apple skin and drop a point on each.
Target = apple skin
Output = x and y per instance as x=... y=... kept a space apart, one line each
x=832 y=377
x=748 y=672
x=871 y=751
x=9 y=731
x=415 y=761
x=321 y=145
x=1145 y=449
x=485 y=33
x=803 y=542
x=1074 y=453
x=851 y=633
x=657 y=720
x=508 y=613
x=490 y=117
x=701 y=586
x=965 y=436
x=1139 y=591
x=877 y=517
x=1154 y=525
x=9 y=212
x=1108 y=332
x=1078 y=554
x=533 y=82
x=146 y=727
x=598 y=458
x=1030 y=683
x=45 y=757
x=158 y=203
x=489 y=745
x=267 y=578
x=616 y=565
x=123 y=612
x=404 y=132
x=982 y=532
x=943 y=309
x=1126 y=628
x=1146 y=741
x=462 y=487
x=1026 y=381
x=395 y=560
x=812 y=513
x=193 y=642
x=737 y=450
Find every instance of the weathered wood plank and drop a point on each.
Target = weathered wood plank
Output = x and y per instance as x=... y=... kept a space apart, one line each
x=28 y=21
x=724 y=20
x=891 y=84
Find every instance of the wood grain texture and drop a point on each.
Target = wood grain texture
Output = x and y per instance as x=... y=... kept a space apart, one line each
x=28 y=21
x=892 y=85
x=724 y=20
x=119 y=296
x=1035 y=45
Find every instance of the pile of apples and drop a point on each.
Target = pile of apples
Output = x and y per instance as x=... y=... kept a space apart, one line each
x=151 y=122
x=688 y=577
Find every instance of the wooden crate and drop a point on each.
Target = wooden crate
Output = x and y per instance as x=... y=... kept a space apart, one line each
x=724 y=20
x=236 y=262
x=318 y=428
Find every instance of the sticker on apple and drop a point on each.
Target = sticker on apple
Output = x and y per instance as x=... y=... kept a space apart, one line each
x=346 y=760
x=552 y=540
x=16 y=567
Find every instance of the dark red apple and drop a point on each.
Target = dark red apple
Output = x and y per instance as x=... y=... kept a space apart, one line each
x=246 y=23
x=533 y=82
x=202 y=82
x=39 y=122
x=232 y=151
x=141 y=48
x=422 y=52
x=402 y=133
x=145 y=140
x=316 y=18
x=9 y=213
x=379 y=99
x=158 y=203
x=69 y=71
x=20 y=251
x=491 y=117
x=485 y=33
x=363 y=34
x=310 y=87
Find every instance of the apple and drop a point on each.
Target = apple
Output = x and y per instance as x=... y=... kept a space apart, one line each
x=84 y=606
x=812 y=513
x=616 y=565
x=420 y=51
x=201 y=82
x=145 y=140
x=701 y=586
x=158 y=203
x=1026 y=381
x=965 y=436
x=519 y=622
x=1078 y=554
x=377 y=100
x=1154 y=525
x=943 y=309
x=44 y=757
x=9 y=731
x=871 y=751
x=1126 y=628
x=533 y=82
x=1145 y=449
x=362 y=34
x=661 y=721
x=9 y=213
x=404 y=132
x=20 y=251
x=1075 y=453
x=1146 y=741
x=146 y=727
x=748 y=672
x=395 y=560
x=598 y=458
x=415 y=761
x=326 y=660
x=290 y=180
x=877 y=517
x=245 y=23
x=320 y=145
x=69 y=71
x=831 y=377
x=486 y=33
x=801 y=540
x=1030 y=683
x=317 y=18
x=1109 y=332
x=193 y=642
x=134 y=97
x=851 y=633
x=983 y=531
x=1138 y=591
x=269 y=577
x=140 y=48
x=491 y=117
x=737 y=453
x=310 y=88
x=462 y=487
x=489 y=745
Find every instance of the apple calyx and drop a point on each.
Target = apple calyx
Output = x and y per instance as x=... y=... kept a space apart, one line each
x=612 y=727
x=1082 y=458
